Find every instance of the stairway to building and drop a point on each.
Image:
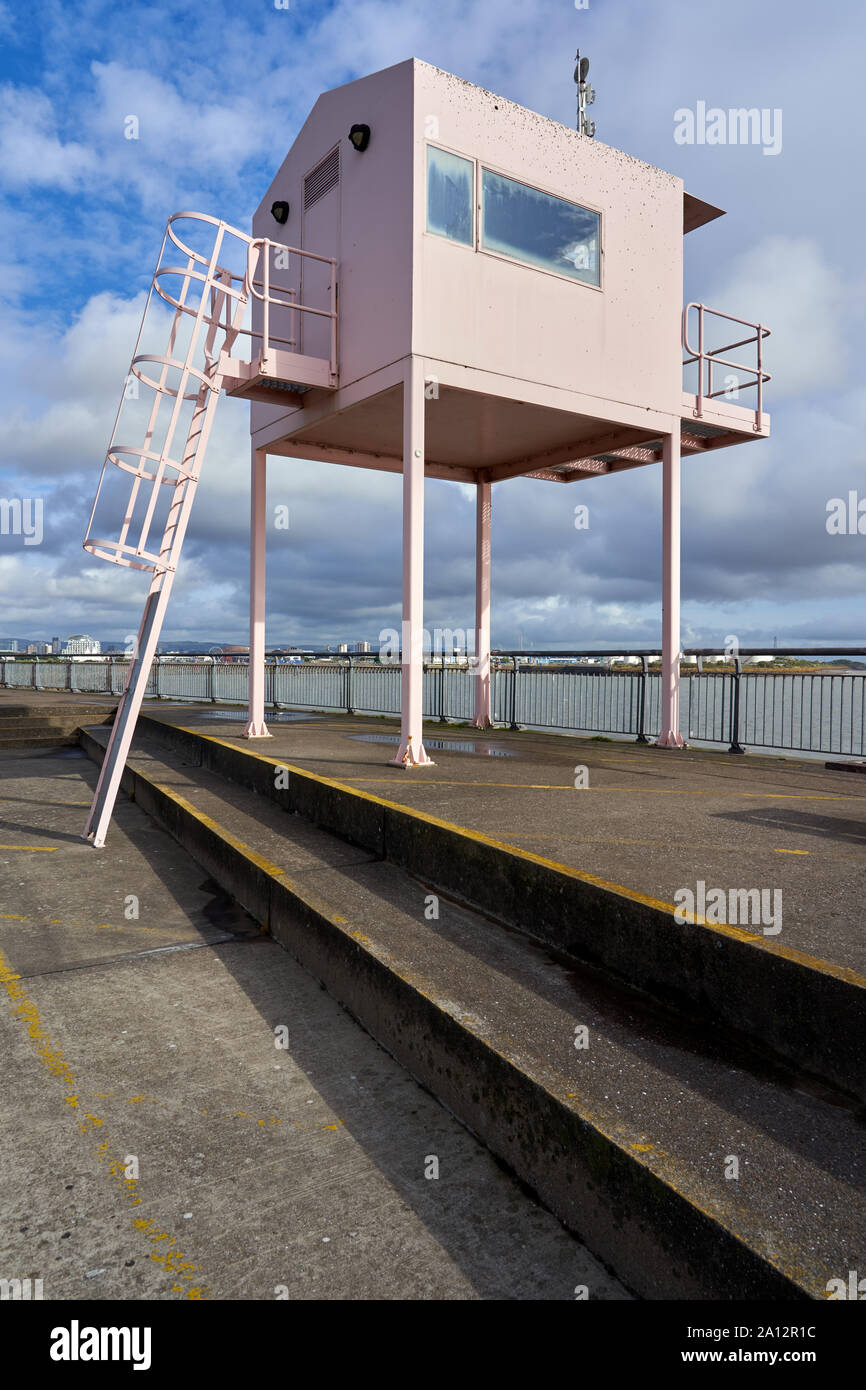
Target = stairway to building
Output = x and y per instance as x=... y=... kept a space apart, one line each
x=690 y=1163
x=49 y=723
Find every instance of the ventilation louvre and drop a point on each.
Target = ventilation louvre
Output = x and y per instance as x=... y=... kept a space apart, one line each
x=323 y=178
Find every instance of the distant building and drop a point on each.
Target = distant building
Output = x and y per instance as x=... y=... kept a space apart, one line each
x=342 y=646
x=37 y=648
x=363 y=647
x=82 y=645
x=55 y=645
x=8 y=644
x=234 y=654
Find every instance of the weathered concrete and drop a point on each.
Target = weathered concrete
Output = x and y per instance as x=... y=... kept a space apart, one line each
x=37 y=719
x=808 y=1011
x=259 y=1169
x=626 y=1139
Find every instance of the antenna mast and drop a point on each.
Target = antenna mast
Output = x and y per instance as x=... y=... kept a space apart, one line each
x=585 y=95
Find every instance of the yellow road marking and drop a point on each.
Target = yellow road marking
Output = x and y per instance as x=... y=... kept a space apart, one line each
x=167 y=1253
x=32 y=849
x=792 y=851
x=88 y=926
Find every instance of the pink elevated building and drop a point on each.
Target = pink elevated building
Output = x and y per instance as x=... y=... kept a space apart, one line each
x=439 y=283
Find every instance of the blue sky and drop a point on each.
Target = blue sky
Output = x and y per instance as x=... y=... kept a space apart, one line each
x=219 y=91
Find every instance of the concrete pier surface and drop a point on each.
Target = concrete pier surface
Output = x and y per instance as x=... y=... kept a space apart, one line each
x=647 y=819
x=686 y=1098
x=146 y=1043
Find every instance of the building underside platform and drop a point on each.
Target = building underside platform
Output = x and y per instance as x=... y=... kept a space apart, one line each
x=476 y=437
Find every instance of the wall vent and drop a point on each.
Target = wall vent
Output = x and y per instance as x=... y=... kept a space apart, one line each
x=323 y=178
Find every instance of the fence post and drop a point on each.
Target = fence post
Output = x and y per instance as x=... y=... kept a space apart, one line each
x=211 y=681
x=513 y=724
x=736 y=746
x=349 y=683
x=156 y=663
x=641 y=719
x=442 y=719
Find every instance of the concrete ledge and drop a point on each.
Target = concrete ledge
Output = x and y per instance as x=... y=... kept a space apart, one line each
x=658 y=1239
x=808 y=1012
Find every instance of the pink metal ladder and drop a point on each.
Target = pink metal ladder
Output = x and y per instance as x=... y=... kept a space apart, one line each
x=195 y=366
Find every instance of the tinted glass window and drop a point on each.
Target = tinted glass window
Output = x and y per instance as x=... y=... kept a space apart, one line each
x=535 y=227
x=450 y=196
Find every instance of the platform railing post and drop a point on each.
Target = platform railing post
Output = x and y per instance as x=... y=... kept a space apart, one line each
x=411 y=752
x=514 y=669
x=256 y=726
x=670 y=736
x=483 y=516
x=735 y=745
x=349 y=684
x=641 y=720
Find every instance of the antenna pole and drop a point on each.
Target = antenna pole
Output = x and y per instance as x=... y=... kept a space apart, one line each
x=585 y=96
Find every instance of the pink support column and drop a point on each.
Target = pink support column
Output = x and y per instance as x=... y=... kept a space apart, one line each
x=670 y=736
x=411 y=751
x=256 y=727
x=483 y=511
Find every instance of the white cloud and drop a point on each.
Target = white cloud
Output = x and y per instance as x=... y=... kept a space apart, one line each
x=787 y=284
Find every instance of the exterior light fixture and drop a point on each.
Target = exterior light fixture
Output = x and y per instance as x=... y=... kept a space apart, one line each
x=280 y=212
x=359 y=136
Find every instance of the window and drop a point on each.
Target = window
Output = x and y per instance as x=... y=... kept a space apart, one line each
x=539 y=229
x=450 y=195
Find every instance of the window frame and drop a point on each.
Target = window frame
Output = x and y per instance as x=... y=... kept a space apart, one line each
x=517 y=260
x=440 y=236
x=476 y=244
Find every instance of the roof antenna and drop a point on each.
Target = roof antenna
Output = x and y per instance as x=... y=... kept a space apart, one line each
x=585 y=95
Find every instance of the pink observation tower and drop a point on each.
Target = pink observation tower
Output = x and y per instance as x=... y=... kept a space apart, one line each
x=438 y=283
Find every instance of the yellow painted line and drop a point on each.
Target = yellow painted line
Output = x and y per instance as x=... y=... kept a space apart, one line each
x=258 y=859
x=838 y=972
x=169 y=1255
x=32 y=849
x=792 y=851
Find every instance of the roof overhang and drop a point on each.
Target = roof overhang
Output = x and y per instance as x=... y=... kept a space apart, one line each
x=696 y=212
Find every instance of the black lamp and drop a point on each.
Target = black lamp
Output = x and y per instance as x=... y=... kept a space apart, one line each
x=280 y=212
x=359 y=136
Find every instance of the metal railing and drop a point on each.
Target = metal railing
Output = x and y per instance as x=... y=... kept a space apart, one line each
x=732 y=707
x=713 y=357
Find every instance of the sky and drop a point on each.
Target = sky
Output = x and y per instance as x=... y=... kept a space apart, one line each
x=219 y=91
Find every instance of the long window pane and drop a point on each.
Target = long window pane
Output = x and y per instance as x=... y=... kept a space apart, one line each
x=535 y=227
x=449 y=195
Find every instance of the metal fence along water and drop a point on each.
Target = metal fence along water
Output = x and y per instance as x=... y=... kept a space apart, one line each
x=809 y=711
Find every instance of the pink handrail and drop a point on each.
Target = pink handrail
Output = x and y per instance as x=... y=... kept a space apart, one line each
x=714 y=357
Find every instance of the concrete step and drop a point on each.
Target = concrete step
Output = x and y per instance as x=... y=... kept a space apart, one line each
x=90 y=713
x=57 y=738
x=628 y=1139
x=42 y=724
x=809 y=1013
